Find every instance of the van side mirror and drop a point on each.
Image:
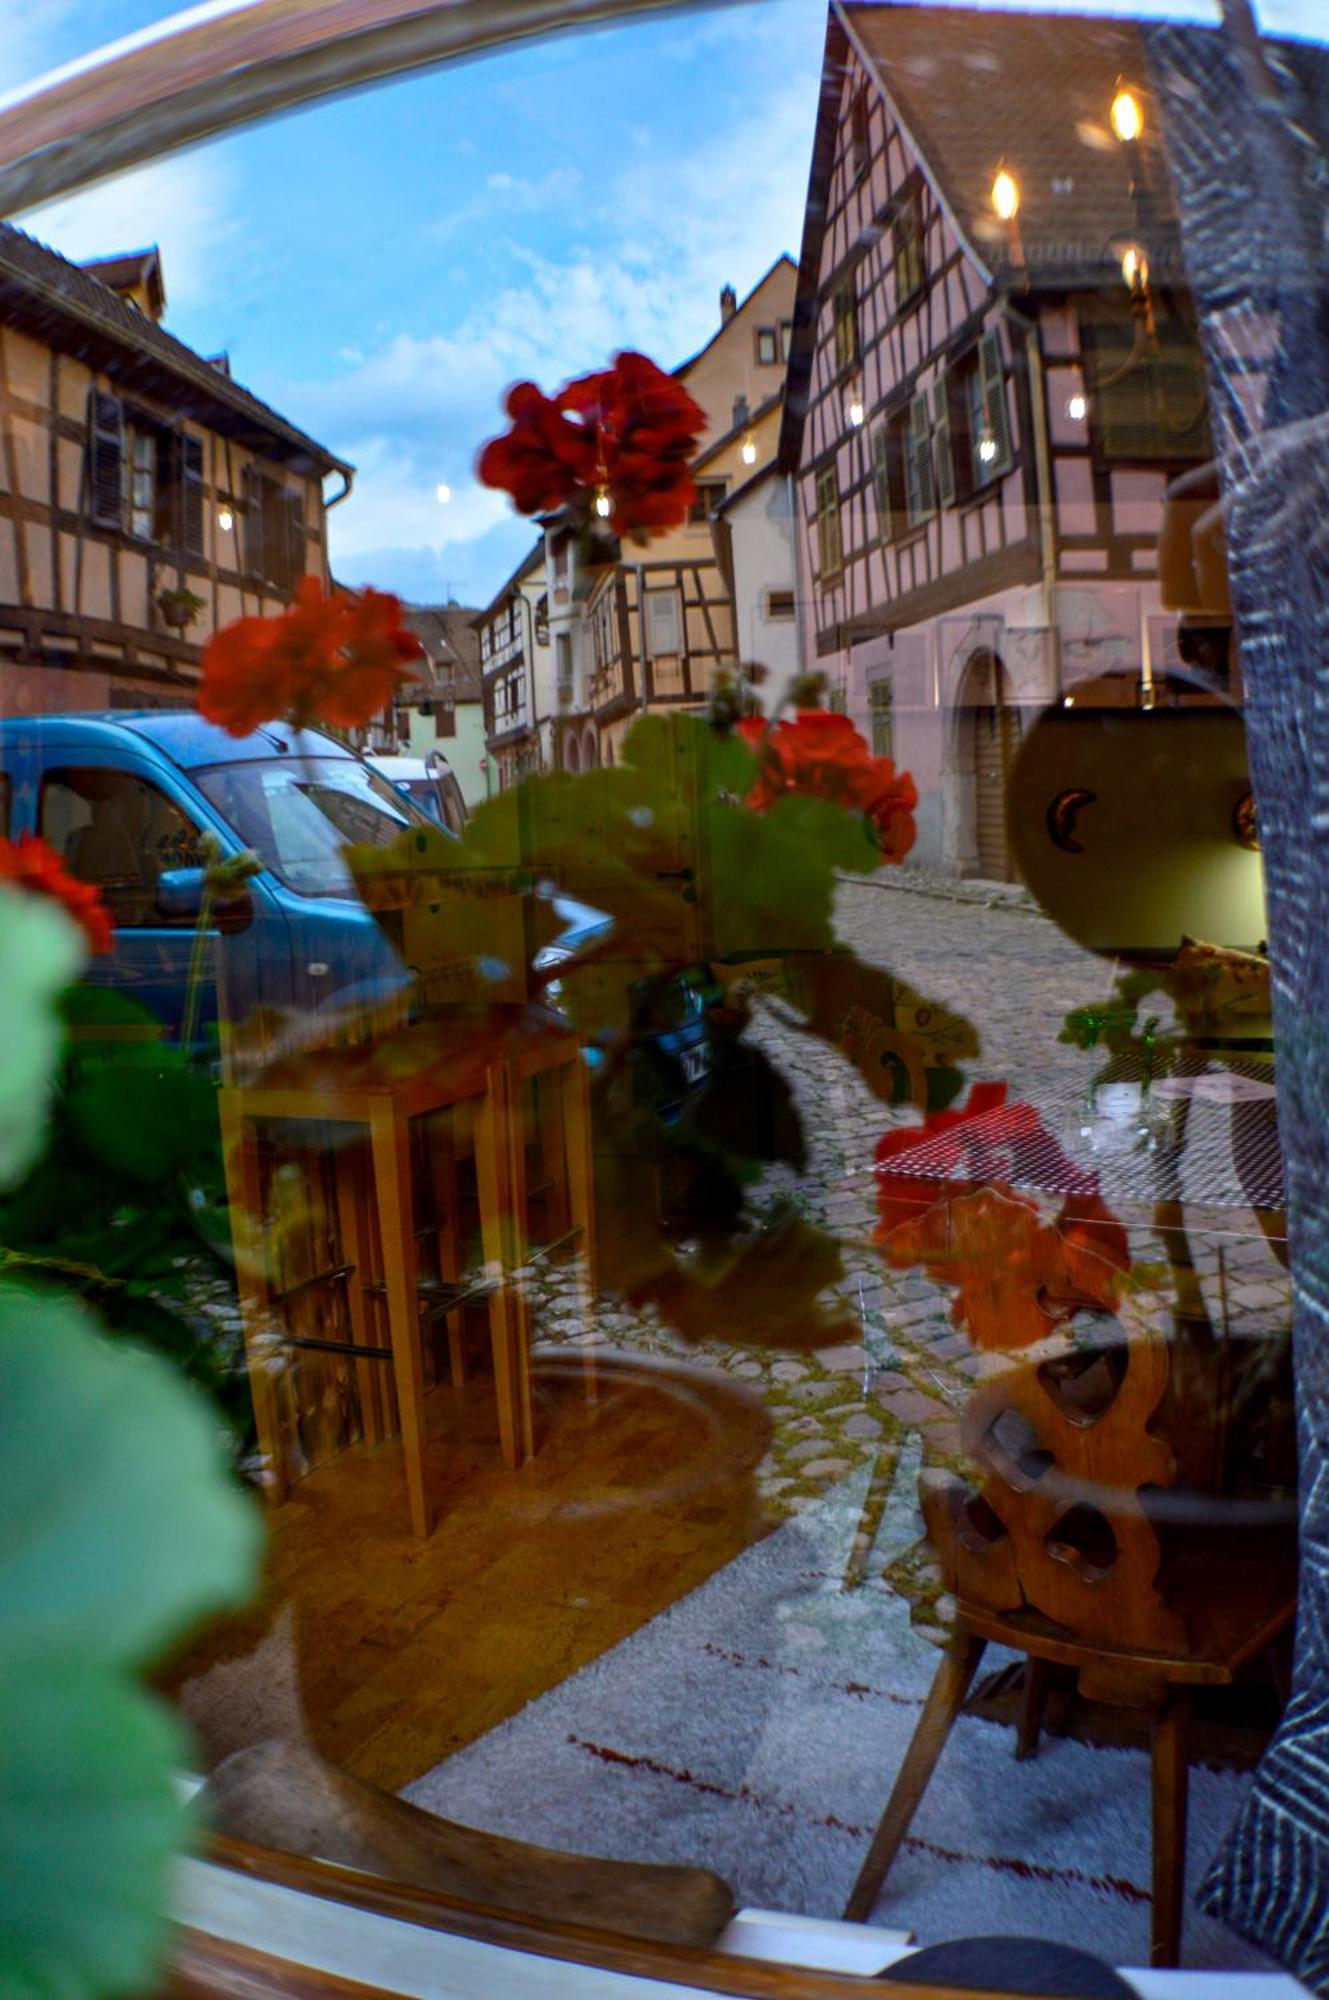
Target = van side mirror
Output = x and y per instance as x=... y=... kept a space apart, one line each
x=179 y=893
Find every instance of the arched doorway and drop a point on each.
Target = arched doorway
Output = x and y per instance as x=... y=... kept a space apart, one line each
x=990 y=736
x=571 y=754
x=590 y=748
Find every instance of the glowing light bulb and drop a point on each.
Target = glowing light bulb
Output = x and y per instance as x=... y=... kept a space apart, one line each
x=1127 y=116
x=1077 y=408
x=747 y=451
x=225 y=520
x=443 y=493
x=987 y=449
x=604 y=506
x=856 y=411
x=1135 y=266
x=1006 y=195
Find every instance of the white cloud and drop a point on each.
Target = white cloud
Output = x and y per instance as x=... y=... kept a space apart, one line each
x=181 y=204
x=647 y=274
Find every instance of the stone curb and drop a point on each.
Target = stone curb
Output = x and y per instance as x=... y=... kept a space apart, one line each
x=950 y=889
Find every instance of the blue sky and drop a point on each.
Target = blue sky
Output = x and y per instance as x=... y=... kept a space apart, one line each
x=380 y=267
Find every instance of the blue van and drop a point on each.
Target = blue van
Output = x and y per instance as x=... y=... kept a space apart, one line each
x=127 y=797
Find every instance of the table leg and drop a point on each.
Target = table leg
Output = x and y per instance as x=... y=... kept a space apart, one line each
x=390 y=1145
x=492 y=1185
x=244 y=1193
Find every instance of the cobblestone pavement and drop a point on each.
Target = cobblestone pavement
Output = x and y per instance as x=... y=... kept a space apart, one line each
x=895 y=1394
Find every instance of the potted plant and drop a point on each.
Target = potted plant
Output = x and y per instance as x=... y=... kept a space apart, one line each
x=179 y=608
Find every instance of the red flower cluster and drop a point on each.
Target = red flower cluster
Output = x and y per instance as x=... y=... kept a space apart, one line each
x=823 y=754
x=28 y=863
x=628 y=432
x=1016 y=1276
x=334 y=657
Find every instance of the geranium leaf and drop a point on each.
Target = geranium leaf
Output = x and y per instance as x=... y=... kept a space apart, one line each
x=89 y=1825
x=43 y=949
x=118 y=1525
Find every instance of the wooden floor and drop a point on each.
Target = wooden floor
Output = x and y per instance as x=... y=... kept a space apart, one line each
x=392 y=1652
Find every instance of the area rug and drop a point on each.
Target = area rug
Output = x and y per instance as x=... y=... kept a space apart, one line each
x=755 y=1727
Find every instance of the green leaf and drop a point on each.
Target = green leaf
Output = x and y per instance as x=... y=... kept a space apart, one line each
x=89 y=1826
x=145 y=1120
x=42 y=951
x=118 y=1524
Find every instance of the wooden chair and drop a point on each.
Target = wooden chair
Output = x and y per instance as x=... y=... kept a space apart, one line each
x=385 y=1092
x=1057 y=1558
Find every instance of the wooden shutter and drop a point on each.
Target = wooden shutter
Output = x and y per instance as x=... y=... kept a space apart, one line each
x=254 y=497
x=828 y=524
x=191 y=494
x=994 y=400
x=293 y=507
x=106 y=459
x=881 y=480
x=922 y=485
x=941 y=442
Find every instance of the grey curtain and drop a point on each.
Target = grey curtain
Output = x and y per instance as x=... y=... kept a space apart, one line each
x=1246 y=128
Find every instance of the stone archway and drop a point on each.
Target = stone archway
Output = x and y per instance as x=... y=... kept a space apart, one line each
x=571 y=752
x=590 y=748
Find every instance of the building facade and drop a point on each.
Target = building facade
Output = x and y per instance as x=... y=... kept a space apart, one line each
x=656 y=625
x=146 y=498
x=444 y=711
x=522 y=714
x=985 y=408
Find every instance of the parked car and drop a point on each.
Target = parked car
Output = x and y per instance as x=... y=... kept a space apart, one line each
x=127 y=798
x=428 y=782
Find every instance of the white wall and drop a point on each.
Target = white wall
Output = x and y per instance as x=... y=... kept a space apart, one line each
x=763 y=554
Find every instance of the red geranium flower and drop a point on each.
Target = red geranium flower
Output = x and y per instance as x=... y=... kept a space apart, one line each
x=335 y=657
x=30 y=864
x=822 y=754
x=627 y=433
x=1016 y=1277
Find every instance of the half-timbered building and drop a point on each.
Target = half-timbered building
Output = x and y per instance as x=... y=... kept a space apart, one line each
x=145 y=496
x=993 y=378
x=648 y=629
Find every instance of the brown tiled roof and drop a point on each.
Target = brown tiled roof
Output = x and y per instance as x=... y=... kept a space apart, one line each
x=447 y=633
x=135 y=267
x=69 y=307
x=978 y=89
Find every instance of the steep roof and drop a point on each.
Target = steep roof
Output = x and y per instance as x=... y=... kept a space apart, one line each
x=134 y=267
x=977 y=89
x=742 y=306
x=448 y=635
x=69 y=307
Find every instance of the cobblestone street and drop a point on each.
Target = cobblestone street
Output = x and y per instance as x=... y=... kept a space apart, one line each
x=894 y=1394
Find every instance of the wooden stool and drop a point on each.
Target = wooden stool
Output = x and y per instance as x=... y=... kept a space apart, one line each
x=383 y=1090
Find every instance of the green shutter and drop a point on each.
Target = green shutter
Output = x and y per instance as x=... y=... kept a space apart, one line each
x=941 y=441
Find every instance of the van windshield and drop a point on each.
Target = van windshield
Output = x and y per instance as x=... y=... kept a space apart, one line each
x=300 y=814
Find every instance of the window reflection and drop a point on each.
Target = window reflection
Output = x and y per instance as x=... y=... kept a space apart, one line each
x=736 y=1220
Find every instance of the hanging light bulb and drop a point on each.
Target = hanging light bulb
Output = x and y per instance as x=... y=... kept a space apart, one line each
x=747 y=451
x=1077 y=407
x=987 y=448
x=1006 y=195
x=1135 y=267
x=855 y=411
x=225 y=520
x=604 y=506
x=1127 y=116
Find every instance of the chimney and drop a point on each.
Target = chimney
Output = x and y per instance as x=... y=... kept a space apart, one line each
x=728 y=304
